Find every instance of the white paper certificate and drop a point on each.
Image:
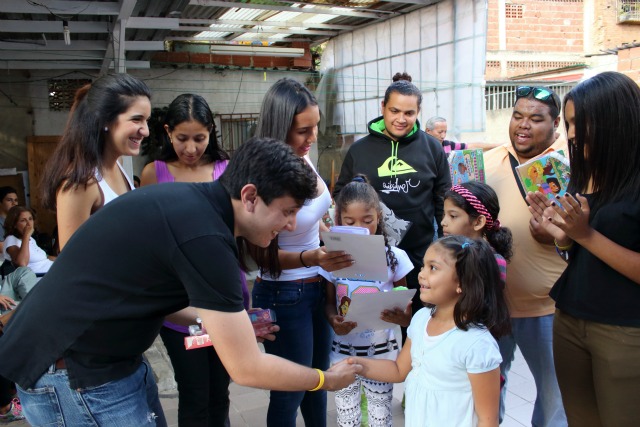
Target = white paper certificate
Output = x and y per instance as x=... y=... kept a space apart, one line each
x=365 y=309
x=368 y=252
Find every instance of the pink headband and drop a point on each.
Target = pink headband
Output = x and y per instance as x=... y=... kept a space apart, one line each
x=477 y=205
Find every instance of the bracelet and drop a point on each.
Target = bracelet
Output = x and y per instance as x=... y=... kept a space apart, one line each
x=563 y=248
x=321 y=383
x=302 y=261
x=563 y=254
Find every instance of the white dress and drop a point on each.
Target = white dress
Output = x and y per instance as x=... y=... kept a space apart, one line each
x=437 y=390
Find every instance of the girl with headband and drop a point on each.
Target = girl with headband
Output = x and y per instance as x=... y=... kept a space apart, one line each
x=471 y=209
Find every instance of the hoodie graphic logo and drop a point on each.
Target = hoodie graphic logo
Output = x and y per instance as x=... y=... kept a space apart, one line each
x=394 y=166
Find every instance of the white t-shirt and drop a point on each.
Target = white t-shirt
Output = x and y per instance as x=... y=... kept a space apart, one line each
x=38 y=261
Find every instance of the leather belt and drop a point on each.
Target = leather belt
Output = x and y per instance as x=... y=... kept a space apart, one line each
x=60 y=364
x=314 y=279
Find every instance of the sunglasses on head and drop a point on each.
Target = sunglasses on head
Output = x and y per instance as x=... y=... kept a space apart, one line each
x=539 y=93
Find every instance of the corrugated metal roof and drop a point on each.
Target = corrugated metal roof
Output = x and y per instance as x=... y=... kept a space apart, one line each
x=31 y=34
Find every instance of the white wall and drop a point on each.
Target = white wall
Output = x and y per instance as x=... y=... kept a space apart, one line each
x=442 y=46
x=227 y=92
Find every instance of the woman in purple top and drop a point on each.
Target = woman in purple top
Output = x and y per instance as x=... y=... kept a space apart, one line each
x=190 y=153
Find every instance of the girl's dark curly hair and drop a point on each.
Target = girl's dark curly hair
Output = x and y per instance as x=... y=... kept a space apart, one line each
x=481 y=302
x=359 y=190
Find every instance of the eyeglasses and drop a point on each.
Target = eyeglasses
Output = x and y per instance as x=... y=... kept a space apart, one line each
x=539 y=93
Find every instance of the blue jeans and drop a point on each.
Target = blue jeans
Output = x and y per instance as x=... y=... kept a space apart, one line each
x=305 y=338
x=120 y=403
x=534 y=337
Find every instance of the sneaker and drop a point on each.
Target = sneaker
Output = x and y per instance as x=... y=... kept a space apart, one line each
x=14 y=413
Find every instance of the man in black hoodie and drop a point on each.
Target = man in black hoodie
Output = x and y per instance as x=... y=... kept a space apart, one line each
x=407 y=167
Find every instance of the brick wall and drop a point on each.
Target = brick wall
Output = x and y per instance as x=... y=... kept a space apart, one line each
x=629 y=63
x=608 y=33
x=545 y=26
x=493 y=42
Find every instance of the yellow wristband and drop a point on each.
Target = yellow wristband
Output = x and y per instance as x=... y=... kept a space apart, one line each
x=563 y=248
x=321 y=383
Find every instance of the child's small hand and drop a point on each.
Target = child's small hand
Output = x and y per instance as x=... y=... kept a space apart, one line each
x=340 y=326
x=397 y=315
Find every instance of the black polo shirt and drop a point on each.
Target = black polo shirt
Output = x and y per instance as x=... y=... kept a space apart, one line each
x=148 y=253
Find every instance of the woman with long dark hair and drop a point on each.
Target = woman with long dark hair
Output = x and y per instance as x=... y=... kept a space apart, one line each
x=108 y=120
x=292 y=286
x=596 y=226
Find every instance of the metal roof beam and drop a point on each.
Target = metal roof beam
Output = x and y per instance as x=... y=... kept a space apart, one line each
x=50 y=65
x=145 y=45
x=315 y=10
x=224 y=39
x=267 y=23
x=420 y=2
x=260 y=30
x=65 y=65
x=153 y=23
x=75 y=27
x=53 y=55
x=41 y=45
x=62 y=8
x=117 y=40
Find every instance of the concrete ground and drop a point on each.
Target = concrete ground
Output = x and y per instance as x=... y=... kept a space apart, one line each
x=249 y=406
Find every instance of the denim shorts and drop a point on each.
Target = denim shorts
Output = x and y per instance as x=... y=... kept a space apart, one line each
x=120 y=403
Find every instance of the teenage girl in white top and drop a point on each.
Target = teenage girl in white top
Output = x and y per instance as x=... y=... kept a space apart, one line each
x=108 y=120
x=291 y=286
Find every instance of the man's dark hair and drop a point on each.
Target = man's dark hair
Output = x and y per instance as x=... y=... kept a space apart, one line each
x=6 y=190
x=402 y=85
x=553 y=102
x=274 y=169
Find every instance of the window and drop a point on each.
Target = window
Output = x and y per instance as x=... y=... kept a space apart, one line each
x=62 y=92
x=236 y=129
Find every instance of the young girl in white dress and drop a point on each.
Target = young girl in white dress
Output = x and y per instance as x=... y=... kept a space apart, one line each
x=451 y=359
x=358 y=205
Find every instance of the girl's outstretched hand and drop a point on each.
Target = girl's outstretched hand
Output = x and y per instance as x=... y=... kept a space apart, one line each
x=341 y=375
x=397 y=315
x=340 y=326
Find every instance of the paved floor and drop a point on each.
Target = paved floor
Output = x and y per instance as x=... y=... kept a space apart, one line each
x=249 y=406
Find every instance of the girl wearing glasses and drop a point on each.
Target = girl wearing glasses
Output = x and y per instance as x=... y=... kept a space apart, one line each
x=596 y=333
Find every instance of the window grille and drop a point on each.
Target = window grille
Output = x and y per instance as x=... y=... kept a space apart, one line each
x=629 y=11
x=62 y=92
x=236 y=129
